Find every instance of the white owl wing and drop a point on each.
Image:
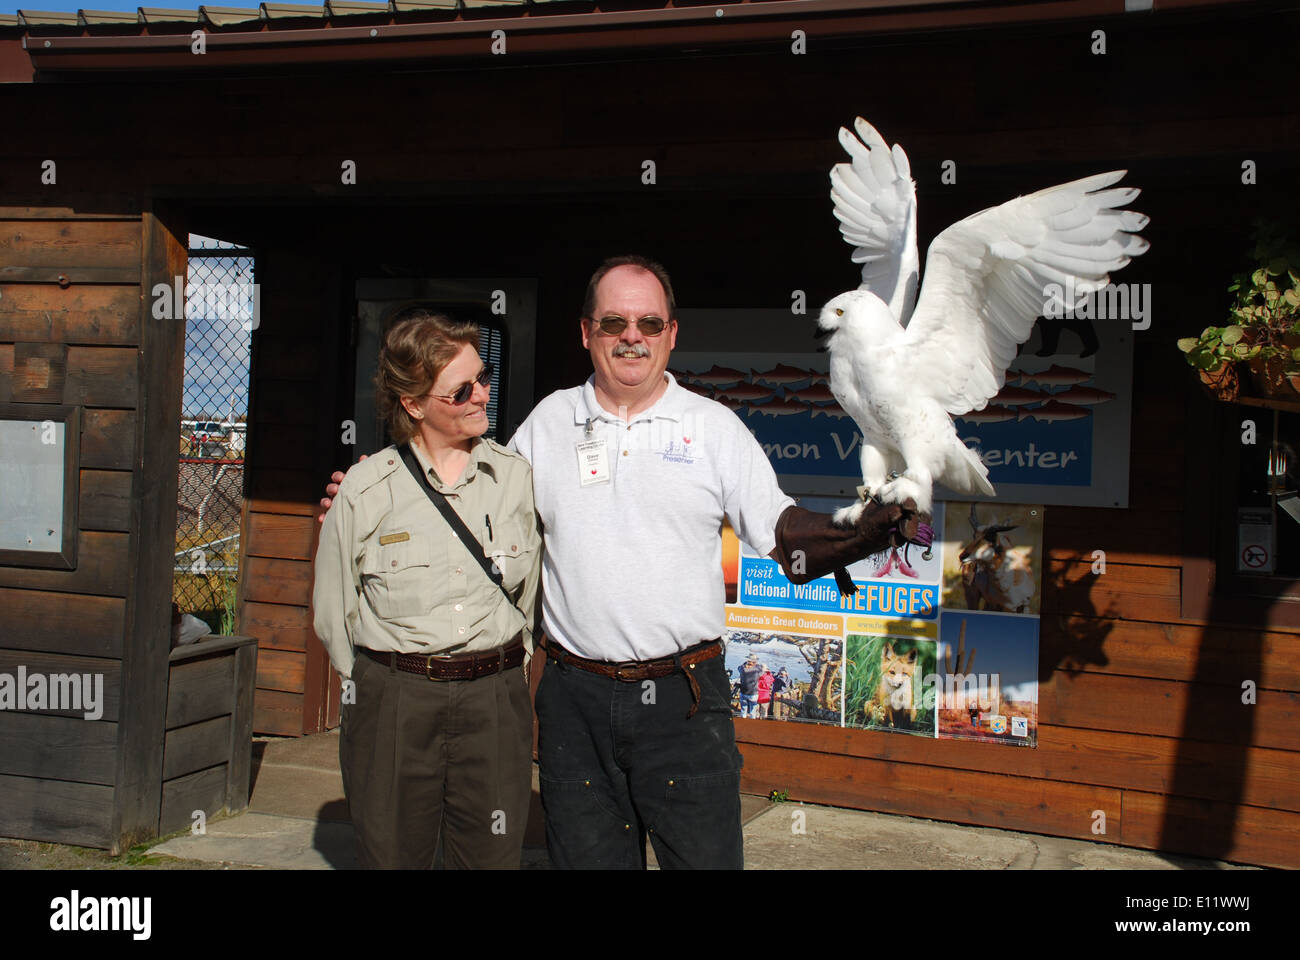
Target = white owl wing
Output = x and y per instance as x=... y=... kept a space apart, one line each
x=990 y=276
x=875 y=202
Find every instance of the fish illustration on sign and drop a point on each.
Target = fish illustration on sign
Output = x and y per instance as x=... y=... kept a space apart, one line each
x=832 y=410
x=1054 y=376
x=781 y=408
x=782 y=374
x=1016 y=396
x=817 y=393
x=746 y=391
x=990 y=414
x=1054 y=411
x=703 y=389
x=716 y=376
x=1088 y=396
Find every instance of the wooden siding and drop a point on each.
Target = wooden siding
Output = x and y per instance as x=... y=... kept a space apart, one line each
x=59 y=770
x=289 y=457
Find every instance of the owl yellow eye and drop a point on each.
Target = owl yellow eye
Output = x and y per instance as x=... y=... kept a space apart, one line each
x=839 y=312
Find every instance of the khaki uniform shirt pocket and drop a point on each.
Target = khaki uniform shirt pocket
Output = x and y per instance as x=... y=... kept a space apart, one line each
x=398 y=578
x=513 y=553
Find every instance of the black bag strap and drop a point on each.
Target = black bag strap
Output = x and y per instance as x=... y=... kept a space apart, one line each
x=457 y=525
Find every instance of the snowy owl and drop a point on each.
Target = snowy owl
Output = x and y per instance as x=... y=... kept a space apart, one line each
x=903 y=374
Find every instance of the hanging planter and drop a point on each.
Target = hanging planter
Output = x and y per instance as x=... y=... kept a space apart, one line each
x=1222 y=383
x=1277 y=375
x=1264 y=335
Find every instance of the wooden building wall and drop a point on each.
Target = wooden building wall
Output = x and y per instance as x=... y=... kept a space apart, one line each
x=72 y=278
x=295 y=355
x=540 y=176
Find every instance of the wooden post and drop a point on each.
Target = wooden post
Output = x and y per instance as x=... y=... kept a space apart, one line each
x=146 y=640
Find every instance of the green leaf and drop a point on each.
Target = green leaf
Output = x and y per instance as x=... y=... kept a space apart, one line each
x=1232 y=334
x=1187 y=344
x=1292 y=298
x=1277 y=266
x=1242 y=350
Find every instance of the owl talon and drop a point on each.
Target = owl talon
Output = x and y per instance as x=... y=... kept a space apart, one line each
x=848 y=516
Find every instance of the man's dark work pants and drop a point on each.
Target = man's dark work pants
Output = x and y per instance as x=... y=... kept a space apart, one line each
x=620 y=760
x=419 y=755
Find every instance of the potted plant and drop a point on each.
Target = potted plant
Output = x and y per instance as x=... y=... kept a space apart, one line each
x=1265 y=330
x=1215 y=355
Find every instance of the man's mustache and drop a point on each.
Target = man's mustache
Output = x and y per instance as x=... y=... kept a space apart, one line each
x=631 y=350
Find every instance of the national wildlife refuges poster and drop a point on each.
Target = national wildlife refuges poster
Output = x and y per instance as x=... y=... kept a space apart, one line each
x=938 y=643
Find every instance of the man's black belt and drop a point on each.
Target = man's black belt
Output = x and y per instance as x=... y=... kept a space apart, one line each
x=461 y=666
x=633 y=670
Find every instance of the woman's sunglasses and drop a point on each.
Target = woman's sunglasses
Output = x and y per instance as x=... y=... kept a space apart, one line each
x=467 y=389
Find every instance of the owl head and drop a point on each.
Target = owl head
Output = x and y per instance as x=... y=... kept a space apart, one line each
x=858 y=310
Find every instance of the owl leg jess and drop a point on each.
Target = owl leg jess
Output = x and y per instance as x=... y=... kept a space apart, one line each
x=875 y=470
x=916 y=483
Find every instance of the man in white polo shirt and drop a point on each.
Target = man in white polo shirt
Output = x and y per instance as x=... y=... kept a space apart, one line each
x=632 y=478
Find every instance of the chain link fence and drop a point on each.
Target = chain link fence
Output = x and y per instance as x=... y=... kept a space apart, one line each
x=221 y=312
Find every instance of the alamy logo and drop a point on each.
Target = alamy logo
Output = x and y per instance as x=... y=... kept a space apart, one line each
x=240 y=302
x=55 y=691
x=1115 y=301
x=75 y=913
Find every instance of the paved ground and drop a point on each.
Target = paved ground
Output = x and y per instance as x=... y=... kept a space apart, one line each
x=297 y=820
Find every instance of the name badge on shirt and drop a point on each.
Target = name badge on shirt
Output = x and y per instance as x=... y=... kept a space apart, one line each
x=394 y=537
x=593 y=462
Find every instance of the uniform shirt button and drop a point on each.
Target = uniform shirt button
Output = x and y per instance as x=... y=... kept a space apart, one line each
x=514 y=546
x=458 y=569
x=390 y=463
x=462 y=629
x=625 y=453
x=460 y=607
x=394 y=563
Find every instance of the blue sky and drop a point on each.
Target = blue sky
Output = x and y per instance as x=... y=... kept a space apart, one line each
x=72 y=6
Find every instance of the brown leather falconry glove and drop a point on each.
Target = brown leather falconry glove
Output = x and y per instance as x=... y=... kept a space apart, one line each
x=810 y=545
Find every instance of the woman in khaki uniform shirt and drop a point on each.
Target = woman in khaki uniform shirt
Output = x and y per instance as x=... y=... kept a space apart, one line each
x=436 y=734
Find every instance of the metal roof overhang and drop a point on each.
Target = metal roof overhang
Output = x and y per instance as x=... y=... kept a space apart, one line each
x=536 y=35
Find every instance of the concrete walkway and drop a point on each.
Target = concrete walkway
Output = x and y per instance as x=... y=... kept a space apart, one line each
x=297 y=820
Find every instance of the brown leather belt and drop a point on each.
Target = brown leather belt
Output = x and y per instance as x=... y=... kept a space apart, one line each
x=631 y=671
x=462 y=666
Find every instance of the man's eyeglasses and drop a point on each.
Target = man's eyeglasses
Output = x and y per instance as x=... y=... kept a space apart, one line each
x=613 y=326
x=467 y=389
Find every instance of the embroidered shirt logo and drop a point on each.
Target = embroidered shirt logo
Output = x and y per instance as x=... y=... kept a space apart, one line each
x=677 y=452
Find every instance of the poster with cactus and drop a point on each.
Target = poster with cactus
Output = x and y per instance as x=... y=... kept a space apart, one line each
x=988 y=678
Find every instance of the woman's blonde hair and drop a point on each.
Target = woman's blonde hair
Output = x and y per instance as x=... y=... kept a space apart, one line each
x=417 y=347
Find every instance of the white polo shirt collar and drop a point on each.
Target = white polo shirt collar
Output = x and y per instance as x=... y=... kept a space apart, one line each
x=670 y=406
